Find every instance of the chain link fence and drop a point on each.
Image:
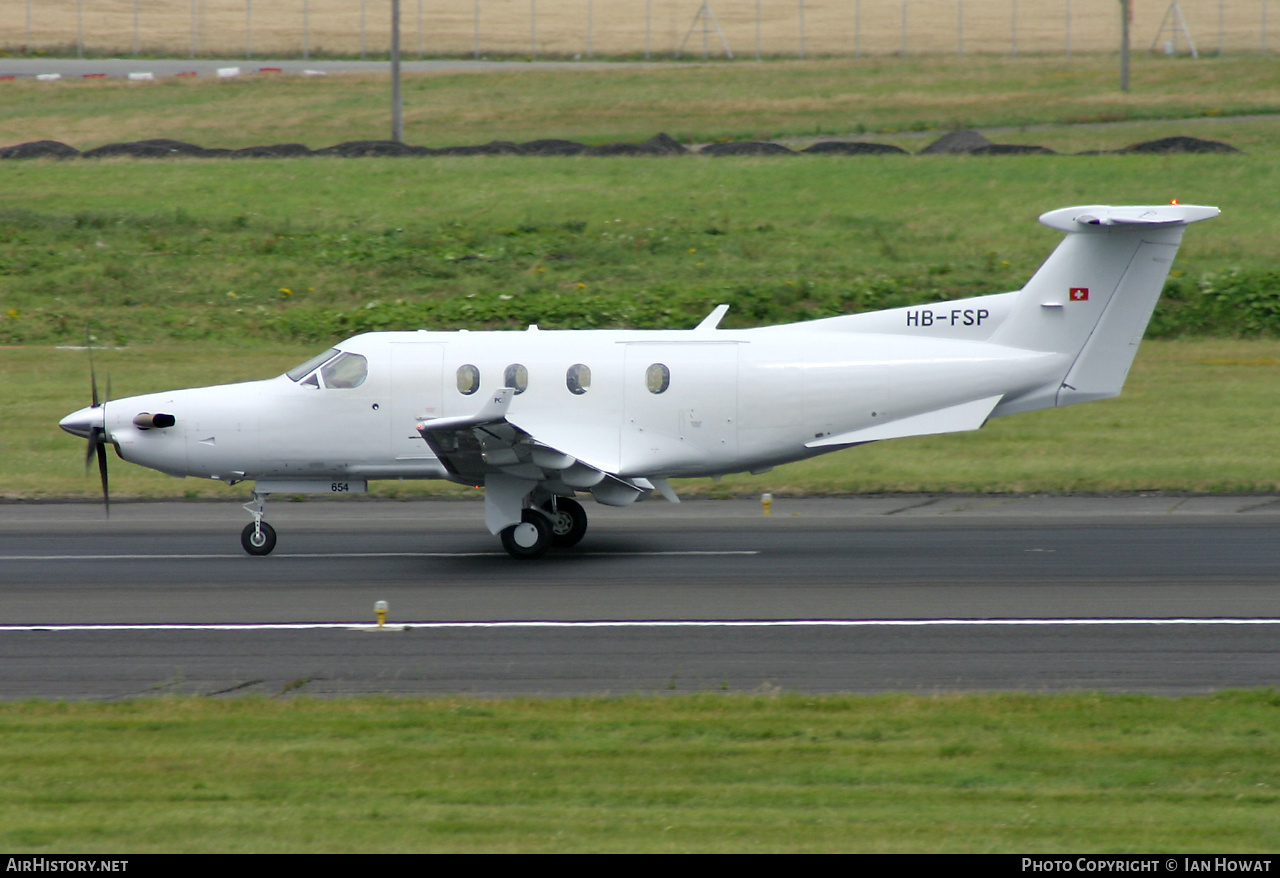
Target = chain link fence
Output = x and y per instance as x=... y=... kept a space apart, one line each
x=742 y=29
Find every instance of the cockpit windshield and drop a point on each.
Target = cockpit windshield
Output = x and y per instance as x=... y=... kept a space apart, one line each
x=297 y=372
x=338 y=369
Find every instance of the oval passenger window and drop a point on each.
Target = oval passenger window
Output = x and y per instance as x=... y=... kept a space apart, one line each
x=657 y=378
x=578 y=379
x=516 y=376
x=468 y=379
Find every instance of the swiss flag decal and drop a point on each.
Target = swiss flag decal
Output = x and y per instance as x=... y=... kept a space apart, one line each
x=1079 y=294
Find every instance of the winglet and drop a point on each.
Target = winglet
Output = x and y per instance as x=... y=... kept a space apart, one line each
x=493 y=411
x=712 y=320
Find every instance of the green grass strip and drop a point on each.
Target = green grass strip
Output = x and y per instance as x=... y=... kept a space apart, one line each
x=991 y=773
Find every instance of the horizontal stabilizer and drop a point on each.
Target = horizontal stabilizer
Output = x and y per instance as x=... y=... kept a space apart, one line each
x=953 y=419
x=1070 y=219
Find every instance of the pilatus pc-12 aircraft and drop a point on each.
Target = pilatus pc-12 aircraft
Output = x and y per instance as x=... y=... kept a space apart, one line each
x=538 y=417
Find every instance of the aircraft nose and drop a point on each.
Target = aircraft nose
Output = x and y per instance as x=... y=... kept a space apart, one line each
x=81 y=423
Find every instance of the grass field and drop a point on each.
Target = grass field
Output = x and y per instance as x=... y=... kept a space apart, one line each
x=771 y=773
x=694 y=103
x=569 y=28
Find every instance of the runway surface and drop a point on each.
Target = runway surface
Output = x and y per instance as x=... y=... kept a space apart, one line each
x=1159 y=594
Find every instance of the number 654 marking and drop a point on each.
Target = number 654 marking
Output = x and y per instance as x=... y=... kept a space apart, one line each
x=340 y=487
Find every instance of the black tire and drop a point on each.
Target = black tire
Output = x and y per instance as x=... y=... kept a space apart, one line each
x=542 y=540
x=568 y=522
x=256 y=543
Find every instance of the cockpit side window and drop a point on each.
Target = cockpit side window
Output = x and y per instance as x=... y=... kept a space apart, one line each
x=296 y=373
x=345 y=371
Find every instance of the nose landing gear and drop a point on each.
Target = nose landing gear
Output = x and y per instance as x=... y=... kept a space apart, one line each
x=258 y=538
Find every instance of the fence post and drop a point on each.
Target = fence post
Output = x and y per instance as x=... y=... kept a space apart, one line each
x=1124 y=44
x=857 y=28
x=1068 y=26
x=306 y=29
x=1013 y=30
x=362 y=41
x=136 y=30
x=476 y=30
x=757 y=30
x=801 y=30
x=397 y=105
x=959 y=28
x=590 y=24
x=533 y=29
x=904 y=28
x=193 y=28
x=648 y=27
x=79 y=28
x=248 y=28
x=1220 y=2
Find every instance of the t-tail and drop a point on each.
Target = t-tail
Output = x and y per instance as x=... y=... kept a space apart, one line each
x=1093 y=297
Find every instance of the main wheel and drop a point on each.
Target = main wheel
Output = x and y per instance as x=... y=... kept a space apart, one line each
x=258 y=542
x=568 y=521
x=530 y=538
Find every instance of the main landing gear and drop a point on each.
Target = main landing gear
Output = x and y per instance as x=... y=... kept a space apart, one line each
x=560 y=522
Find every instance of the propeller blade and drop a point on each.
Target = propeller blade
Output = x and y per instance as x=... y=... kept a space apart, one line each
x=93 y=373
x=102 y=470
x=94 y=441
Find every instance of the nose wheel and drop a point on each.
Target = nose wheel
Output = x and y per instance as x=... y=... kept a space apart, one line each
x=258 y=538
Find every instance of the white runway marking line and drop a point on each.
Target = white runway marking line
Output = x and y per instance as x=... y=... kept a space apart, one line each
x=785 y=623
x=207 y=557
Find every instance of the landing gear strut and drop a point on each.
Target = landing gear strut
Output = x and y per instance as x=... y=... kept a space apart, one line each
x=258 y=538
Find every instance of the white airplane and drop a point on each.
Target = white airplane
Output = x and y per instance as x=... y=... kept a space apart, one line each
x=536 y=417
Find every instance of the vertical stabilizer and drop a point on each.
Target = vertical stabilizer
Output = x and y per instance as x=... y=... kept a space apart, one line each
x=1094 y=295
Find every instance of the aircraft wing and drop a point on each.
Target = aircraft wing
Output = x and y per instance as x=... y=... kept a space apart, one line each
x=476 y=448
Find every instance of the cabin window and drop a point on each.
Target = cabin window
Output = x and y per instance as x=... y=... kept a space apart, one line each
x=345 y=371
x=657 y=378
x=298 y=371
x=516 y=376
x=468 y=379
x=578 y=379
